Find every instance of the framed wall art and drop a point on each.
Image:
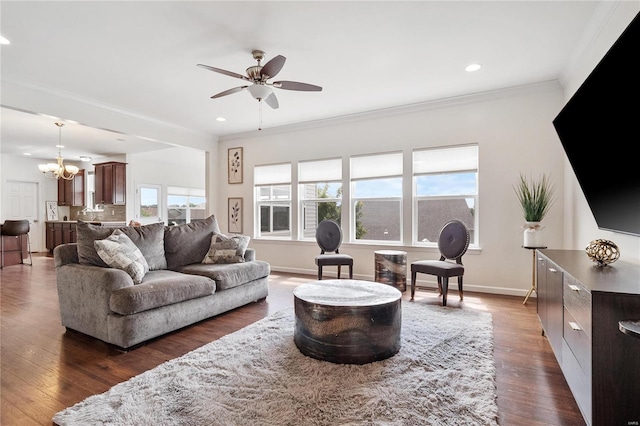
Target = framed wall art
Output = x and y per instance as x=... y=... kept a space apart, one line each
x=52 y=210
x=234 y=165
x=235 y=215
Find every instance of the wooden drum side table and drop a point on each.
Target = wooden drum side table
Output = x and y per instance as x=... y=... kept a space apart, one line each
x=347 y=321
x=391 y=268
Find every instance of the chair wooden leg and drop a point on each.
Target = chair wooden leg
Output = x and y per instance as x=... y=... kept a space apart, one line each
x=339 y=267
x=319 y=272
x=445 y=288
x=413 y=284
x=460 y=287
x=350 y=272
x=440 y=285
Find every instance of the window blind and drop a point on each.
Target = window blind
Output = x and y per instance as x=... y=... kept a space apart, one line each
x=461 y=158
x=374 y=166
x=273 y=174
x=320 y=171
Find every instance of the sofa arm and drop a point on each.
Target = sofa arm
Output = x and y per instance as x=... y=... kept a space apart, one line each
x=65 y=253
x=83 y=294
x=249 y=254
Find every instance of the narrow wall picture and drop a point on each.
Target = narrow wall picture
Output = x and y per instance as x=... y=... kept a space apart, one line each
x=52 y=210
x=235 y=215
x=235 y=165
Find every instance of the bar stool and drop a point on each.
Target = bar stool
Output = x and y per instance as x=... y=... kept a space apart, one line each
x=16 y=228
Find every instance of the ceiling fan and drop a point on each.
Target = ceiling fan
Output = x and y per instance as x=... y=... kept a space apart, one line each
x=261 y=89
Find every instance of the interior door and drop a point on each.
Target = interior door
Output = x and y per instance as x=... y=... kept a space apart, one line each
x=21 y=201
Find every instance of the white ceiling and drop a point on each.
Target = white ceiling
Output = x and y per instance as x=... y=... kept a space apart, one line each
x=139 y=58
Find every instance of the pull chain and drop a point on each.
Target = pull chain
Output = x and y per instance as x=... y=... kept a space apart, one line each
x=260 y=115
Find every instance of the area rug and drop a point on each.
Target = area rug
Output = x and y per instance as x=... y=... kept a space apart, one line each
x=444 y=374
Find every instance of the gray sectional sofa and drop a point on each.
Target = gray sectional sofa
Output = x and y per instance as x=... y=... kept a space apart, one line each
x=176 y=290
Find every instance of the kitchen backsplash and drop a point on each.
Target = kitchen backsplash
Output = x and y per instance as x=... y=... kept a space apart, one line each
x=111 y=213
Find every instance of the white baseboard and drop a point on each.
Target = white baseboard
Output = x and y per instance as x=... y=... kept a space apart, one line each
x=421 y=284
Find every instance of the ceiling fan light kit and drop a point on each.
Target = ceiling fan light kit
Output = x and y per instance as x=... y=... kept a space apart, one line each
x=259 y=75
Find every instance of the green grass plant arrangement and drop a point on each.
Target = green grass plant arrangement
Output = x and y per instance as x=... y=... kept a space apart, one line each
x=536 y=197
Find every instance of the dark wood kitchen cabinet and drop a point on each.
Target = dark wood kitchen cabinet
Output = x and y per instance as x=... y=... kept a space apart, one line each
x=60 y=233
x=71 y=192
x=111 y=183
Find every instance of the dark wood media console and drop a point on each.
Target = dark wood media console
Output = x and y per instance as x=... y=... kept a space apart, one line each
x=580 y=306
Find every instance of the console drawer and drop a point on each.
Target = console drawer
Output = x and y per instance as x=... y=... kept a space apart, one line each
x=578 y=301
x=577 y=340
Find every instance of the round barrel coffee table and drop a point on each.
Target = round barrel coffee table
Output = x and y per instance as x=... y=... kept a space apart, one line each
x=347 y=321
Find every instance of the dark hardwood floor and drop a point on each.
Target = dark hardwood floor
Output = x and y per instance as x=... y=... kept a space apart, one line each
x=46 y=369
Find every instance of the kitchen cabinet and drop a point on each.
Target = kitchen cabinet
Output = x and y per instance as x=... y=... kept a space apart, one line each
x=110 y=183
x=599 y=362
x=71 y=192
x=53 y=235
x=60 y=233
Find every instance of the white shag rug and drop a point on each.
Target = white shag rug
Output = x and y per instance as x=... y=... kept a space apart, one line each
x=444 y=374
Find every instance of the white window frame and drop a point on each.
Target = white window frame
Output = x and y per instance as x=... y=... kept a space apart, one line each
x=315 y=172
x=449 y=160
x=138 y=204
x=272 y=176
x=188 y=193
x=369 y=167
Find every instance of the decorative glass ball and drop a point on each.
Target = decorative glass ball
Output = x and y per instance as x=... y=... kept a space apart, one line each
x=603 y=252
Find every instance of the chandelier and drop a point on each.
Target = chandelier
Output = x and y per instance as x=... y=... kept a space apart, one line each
x=59 y=170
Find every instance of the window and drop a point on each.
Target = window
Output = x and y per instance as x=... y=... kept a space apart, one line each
x=320 y=186
x=273 y=200
x=148 y=204
x=376 y=197
x=445 y=185
x=185 y=205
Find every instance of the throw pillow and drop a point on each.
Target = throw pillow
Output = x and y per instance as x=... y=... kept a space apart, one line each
x=225 y=249
x=188 y=243
x=118 y=251
x=86 y=235
x=150 y=241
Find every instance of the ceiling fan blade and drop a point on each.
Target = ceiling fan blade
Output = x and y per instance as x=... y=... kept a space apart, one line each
x=273 y=67
x=225 y=72
x=294 y=85
x=272 y=101
x=228 y=92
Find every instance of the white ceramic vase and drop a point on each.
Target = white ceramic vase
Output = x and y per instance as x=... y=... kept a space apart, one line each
x=533 y=236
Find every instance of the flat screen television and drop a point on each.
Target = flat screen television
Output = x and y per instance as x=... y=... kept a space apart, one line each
x=599 y=128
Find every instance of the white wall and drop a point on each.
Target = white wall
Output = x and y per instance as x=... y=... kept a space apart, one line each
x=580 y=225
x=515 y=135
x=25 y=169
x=179 y=166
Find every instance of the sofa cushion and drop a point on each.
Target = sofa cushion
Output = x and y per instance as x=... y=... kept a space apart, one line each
x=148 y=238
x=224 y=249
x=86 y=235
x=229 y=275
x=150 y=241
x=160 y=288
x=118 y=251
x=188 y=243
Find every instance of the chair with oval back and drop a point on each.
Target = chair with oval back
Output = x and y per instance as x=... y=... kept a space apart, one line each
x=453 y=242
x=329 y=238
x=16 y=228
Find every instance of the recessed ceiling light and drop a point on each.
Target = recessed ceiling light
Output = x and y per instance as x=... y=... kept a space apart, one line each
x=85 y=158
x=473 y=67
x=59 y=146
x=221 y=119
x=26 y=153
x=4 y=40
